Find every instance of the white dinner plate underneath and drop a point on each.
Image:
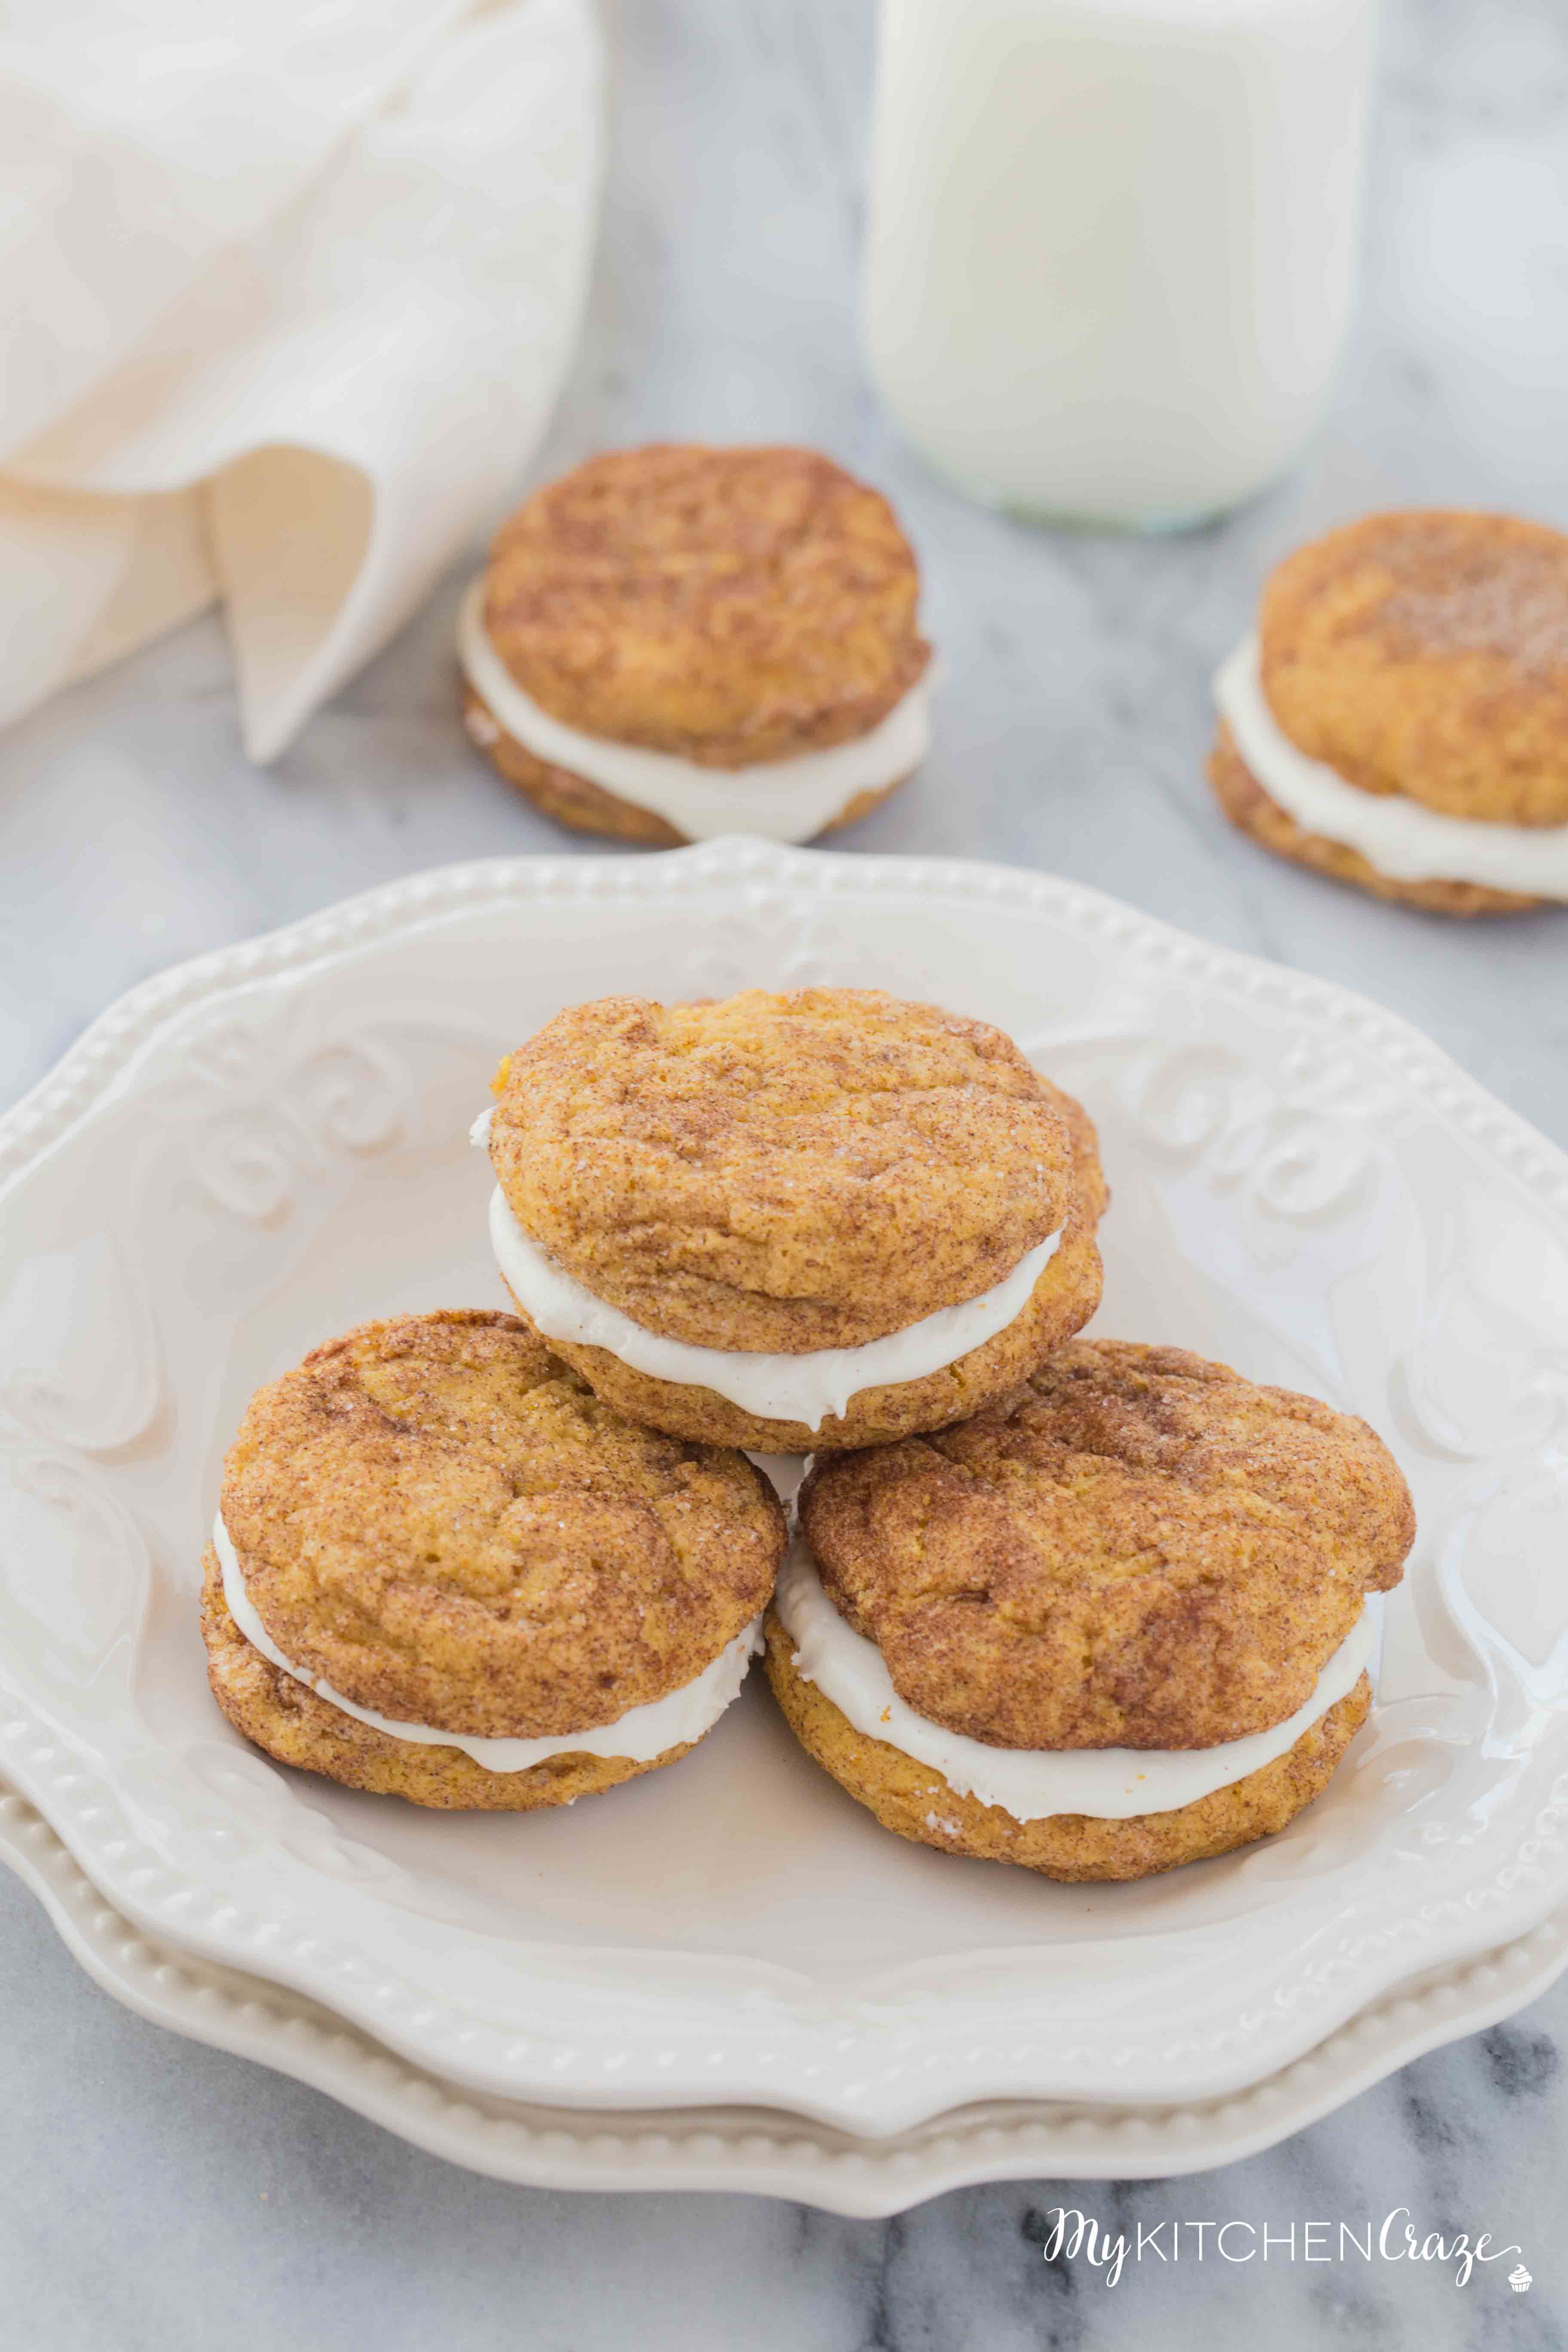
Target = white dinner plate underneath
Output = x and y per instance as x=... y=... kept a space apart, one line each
x=261 y=1148
x=764 y=2153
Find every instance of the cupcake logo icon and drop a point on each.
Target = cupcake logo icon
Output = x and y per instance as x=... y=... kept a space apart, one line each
x=1519 y=2279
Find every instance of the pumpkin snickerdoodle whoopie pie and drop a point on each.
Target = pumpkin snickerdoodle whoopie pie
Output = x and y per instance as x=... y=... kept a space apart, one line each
x=442 y=1570
x=1400 y=720
x=674 y=642
x=1113 y=1624
x=808 y=1220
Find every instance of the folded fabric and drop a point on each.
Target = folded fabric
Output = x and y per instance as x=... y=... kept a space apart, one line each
x=288 y=290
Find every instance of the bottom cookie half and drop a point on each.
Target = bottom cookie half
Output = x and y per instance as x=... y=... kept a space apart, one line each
x=914 y=1801
x=293 y=1724
x=1060 y=1305
x=1251 y=810
x=587 y=807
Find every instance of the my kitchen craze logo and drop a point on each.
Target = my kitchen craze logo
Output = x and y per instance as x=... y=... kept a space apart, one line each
x=1071 y=2235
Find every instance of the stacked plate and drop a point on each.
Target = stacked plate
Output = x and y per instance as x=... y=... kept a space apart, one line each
x=726 y=1975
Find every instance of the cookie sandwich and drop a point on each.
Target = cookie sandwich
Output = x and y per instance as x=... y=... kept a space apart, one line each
x=675 y=642
x=1115 y=1624
x=442 y=1570
x=1400 y=719
x=827 y=1218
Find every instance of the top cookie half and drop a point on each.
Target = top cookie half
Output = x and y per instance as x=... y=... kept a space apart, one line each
x=783 y=1172
x=1137 y=1549
x=730 y=606
x=1426 y=653
x=436 y=1516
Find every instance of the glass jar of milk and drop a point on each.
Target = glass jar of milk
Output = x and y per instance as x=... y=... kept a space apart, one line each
x=1111 y=245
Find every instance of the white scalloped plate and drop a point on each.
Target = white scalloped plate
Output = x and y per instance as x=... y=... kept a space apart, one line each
x=757 y=2149
x=267 y=1145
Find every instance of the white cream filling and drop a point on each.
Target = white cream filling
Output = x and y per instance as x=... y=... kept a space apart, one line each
x=782 y=800
x=774 y=1387
x=1032 y=1783
x=1401 y=838
x=637 y=1737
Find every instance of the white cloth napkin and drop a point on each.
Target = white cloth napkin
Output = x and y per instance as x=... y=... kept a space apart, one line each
x=286 y=291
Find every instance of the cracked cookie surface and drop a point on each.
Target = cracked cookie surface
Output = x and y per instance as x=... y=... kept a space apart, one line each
x=1425 y=653
x=728 y=605
x=1139 y=1548
x=781 y=1173
x=438 y=1517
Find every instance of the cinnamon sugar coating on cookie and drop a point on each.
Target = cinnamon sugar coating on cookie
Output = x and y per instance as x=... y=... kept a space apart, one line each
x=730 y=605
x=1140 y=1550
x=438 y=1518
x=1426 y=653
x=780 y=1173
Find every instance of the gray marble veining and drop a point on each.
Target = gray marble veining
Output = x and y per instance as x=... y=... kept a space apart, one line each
x=155 y=2194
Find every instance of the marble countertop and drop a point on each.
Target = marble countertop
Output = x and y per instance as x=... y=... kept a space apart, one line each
x=156 y=2194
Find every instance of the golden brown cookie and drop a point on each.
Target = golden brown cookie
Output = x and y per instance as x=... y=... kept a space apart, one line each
x=1139 y=1548
x=437 y=1518
x=1426 y=653
x=792 y=1173
x=1420 y=655
x=724 y=608
x=914 y=1801
x=730 y=605
x=811 y=1169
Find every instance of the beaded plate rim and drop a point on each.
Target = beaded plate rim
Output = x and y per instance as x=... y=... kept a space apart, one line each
x=1516 y=1889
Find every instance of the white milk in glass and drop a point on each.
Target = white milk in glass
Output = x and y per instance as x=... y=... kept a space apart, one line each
x=1112 y=247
